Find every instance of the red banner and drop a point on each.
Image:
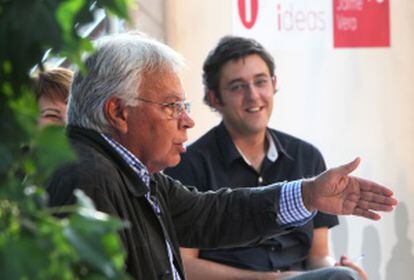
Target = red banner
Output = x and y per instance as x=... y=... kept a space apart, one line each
x=361 y=23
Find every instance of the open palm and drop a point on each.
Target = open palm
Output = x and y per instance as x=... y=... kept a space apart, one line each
x=336 y=192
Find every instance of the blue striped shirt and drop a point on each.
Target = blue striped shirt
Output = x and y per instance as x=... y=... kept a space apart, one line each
x=292 y=211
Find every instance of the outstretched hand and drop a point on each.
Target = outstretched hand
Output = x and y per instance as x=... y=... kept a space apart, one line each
x=336 y=192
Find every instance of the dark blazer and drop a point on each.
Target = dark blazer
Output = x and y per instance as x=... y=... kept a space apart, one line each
x=188 y=217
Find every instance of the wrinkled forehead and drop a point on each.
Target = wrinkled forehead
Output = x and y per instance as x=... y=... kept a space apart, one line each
x=162 y=84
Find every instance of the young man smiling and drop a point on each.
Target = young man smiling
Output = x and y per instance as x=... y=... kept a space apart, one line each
x=243 y=151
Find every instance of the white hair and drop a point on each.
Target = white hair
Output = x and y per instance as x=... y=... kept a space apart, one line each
x=115 y=68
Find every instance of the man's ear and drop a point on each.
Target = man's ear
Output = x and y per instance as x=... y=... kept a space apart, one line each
x=117 y=114
x=214 y=101
x=274 y=83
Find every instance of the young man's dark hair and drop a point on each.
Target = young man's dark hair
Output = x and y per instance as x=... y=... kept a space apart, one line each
x=230 y=48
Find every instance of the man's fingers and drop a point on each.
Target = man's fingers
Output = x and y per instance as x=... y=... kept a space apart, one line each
x=366 y=214
x=378 y=198
x=374 y=206
x=367 y=185
x=349 y=167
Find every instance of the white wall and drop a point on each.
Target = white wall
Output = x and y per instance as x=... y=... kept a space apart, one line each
x=148 y=16
x=193 y=28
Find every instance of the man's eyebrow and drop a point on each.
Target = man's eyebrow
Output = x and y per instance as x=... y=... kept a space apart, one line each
x=258 y=75
x=175 y=97
x=237 y=80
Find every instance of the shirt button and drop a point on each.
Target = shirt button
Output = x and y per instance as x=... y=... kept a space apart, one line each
x=260 y=179
x=272 y=248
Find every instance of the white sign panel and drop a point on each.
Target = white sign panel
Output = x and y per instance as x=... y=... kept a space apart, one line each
x=284 y=24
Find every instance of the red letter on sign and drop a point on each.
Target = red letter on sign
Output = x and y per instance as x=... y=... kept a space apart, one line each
x=254 y=5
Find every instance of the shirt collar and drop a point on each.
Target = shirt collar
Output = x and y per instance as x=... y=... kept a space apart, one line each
x=280 y=148
x=272 y=153
x=139 y=168
x=230 y=152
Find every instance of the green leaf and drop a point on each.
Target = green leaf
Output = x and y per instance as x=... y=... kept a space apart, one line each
x=117 y=7
x=66 y=13
x=50 y=150
x=7 y=67
x=34 y=244
x=91 y=232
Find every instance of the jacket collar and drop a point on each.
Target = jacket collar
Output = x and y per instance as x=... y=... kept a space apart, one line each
x=92 y=139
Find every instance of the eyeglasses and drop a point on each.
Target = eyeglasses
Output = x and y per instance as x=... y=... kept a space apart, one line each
x=173 y=109
x=240 y=87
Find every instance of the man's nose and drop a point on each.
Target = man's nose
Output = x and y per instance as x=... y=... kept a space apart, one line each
x=252 y=91
x=186 y=121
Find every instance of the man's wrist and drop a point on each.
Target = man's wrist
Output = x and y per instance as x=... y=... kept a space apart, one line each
x=307 y=194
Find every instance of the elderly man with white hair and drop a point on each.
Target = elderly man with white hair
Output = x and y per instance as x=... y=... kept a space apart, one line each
x=128 y=120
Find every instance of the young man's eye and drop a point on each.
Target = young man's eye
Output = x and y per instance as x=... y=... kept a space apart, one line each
x=261 y=82
x=237 y=87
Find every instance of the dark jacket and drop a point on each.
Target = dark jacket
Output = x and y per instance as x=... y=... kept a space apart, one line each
x=188 y=218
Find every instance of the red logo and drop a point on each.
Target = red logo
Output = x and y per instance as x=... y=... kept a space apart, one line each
x=361 y=23
x=248 y=22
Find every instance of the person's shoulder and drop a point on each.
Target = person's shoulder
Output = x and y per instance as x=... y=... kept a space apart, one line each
x=88 y=170
x=95 y=161
x=292 y=143
x=195 y=161
x=203 y=145
x=205 y=141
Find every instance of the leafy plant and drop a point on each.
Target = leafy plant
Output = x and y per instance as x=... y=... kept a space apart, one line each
x=33 y=243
